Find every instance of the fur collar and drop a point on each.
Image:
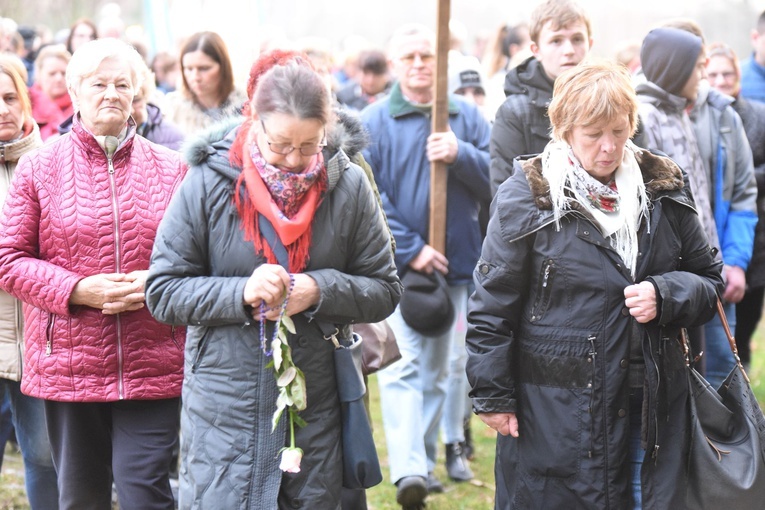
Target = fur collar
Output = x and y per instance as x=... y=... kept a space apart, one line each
x=660 y=175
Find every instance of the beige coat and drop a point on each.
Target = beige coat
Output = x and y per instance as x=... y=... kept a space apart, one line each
x=192 y=119
x=11 y=315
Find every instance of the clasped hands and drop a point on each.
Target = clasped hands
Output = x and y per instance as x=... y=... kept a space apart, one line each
x=269 y=285
x=112 y=293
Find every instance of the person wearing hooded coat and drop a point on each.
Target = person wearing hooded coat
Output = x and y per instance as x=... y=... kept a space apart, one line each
x=593 y=261
x=202 y=265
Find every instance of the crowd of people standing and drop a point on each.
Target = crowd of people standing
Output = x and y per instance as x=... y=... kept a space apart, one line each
x=164 y=228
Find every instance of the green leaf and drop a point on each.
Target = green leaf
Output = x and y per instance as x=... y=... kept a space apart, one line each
x=275 y=420
x=289 y=324
x=298 y=390
x=300 y=422
x=276 y=348
x=284 y=399
x=287 y=376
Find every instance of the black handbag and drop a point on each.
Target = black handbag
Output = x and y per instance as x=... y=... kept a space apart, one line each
x=361 y=466
x=726 y=460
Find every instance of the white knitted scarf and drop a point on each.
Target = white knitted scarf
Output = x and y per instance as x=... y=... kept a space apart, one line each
x=621 y=226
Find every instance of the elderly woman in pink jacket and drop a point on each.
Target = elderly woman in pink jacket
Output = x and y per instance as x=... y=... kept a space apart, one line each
x=76 y=234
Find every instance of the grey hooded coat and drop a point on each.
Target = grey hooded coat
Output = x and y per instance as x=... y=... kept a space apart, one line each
x=201 y=261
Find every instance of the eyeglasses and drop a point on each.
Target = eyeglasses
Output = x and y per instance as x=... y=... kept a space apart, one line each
x=425 y=58
x=305 y=150
x=727 y=75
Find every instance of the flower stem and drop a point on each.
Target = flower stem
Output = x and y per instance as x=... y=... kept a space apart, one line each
x=292 y=431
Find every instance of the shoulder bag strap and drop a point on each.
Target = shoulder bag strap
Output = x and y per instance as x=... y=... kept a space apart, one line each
x=731 y=339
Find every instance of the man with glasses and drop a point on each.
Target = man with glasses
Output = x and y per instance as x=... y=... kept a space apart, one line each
x=414 y=389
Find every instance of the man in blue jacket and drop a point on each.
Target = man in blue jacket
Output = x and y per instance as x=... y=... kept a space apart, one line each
x=753 y=68
x=414 y=389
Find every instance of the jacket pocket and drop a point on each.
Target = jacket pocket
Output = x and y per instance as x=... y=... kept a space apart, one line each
x=51 y=323
x=544 y=285
x=201 y=348
x=551 y=424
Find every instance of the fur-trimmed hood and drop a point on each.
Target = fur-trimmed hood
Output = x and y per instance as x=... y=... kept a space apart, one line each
x=345 y=139
x=528 y=190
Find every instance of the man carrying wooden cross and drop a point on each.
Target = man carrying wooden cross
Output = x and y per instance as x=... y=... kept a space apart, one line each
x=413 y=390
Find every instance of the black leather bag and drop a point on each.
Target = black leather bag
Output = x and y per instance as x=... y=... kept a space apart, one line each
x=726 y=460
x=361 y=466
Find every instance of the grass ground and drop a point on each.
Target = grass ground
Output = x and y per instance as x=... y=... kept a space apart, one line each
x=475 y=495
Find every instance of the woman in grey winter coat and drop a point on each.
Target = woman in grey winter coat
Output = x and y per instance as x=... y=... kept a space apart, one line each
x=216 y=268
x=593 y=261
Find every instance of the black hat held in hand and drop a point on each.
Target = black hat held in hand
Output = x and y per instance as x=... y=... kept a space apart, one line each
x=425 y=304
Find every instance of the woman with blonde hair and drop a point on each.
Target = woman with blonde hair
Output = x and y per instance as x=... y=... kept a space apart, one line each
x=20 y=135
x=51 y=104
x=593 y=261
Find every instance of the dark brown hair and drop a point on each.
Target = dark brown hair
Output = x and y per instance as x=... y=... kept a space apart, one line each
x=212 y=45
x=292 y=89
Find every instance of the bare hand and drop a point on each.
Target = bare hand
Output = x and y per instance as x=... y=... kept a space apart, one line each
x=304 y=295
x=504 y=423
x=442 y=147
x=268 y=284
x=428 y=260
x=735 y=284
x=110 y=292
x=641 y=301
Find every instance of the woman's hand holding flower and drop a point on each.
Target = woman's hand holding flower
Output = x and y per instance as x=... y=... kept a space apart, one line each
x=267 y=284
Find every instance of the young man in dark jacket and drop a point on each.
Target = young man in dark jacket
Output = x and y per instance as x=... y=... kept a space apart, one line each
x=561 y=38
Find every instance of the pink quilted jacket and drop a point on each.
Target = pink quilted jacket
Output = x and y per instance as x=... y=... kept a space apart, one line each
x=67 y=216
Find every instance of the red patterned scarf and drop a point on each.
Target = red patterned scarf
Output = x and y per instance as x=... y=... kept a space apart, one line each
x=289 y=203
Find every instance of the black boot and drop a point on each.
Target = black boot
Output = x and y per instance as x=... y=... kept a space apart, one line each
x=457 y=464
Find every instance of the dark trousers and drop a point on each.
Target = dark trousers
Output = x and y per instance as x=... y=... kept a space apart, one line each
x=130 y=442
x=748 y=314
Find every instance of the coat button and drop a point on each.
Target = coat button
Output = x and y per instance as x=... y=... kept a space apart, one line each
x=303 y=341
x=484 y=269
x=626 y=311
x=623 y=363
x=586 y=232
x=622 y=413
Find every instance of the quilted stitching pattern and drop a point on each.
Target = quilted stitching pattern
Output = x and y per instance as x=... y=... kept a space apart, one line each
x=58 y=226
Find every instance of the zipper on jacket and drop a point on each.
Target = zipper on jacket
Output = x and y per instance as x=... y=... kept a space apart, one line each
x=655 y=449
x=117 y=269
x=591 y=358
x=543 y=294
x=49 y=335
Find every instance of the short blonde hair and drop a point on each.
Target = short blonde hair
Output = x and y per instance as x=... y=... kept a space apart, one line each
x=562 y=13
x=13 y=67
x=51 y=51
x=592 y=92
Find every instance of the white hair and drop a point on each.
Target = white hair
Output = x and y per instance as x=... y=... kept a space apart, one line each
x=89 y=56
